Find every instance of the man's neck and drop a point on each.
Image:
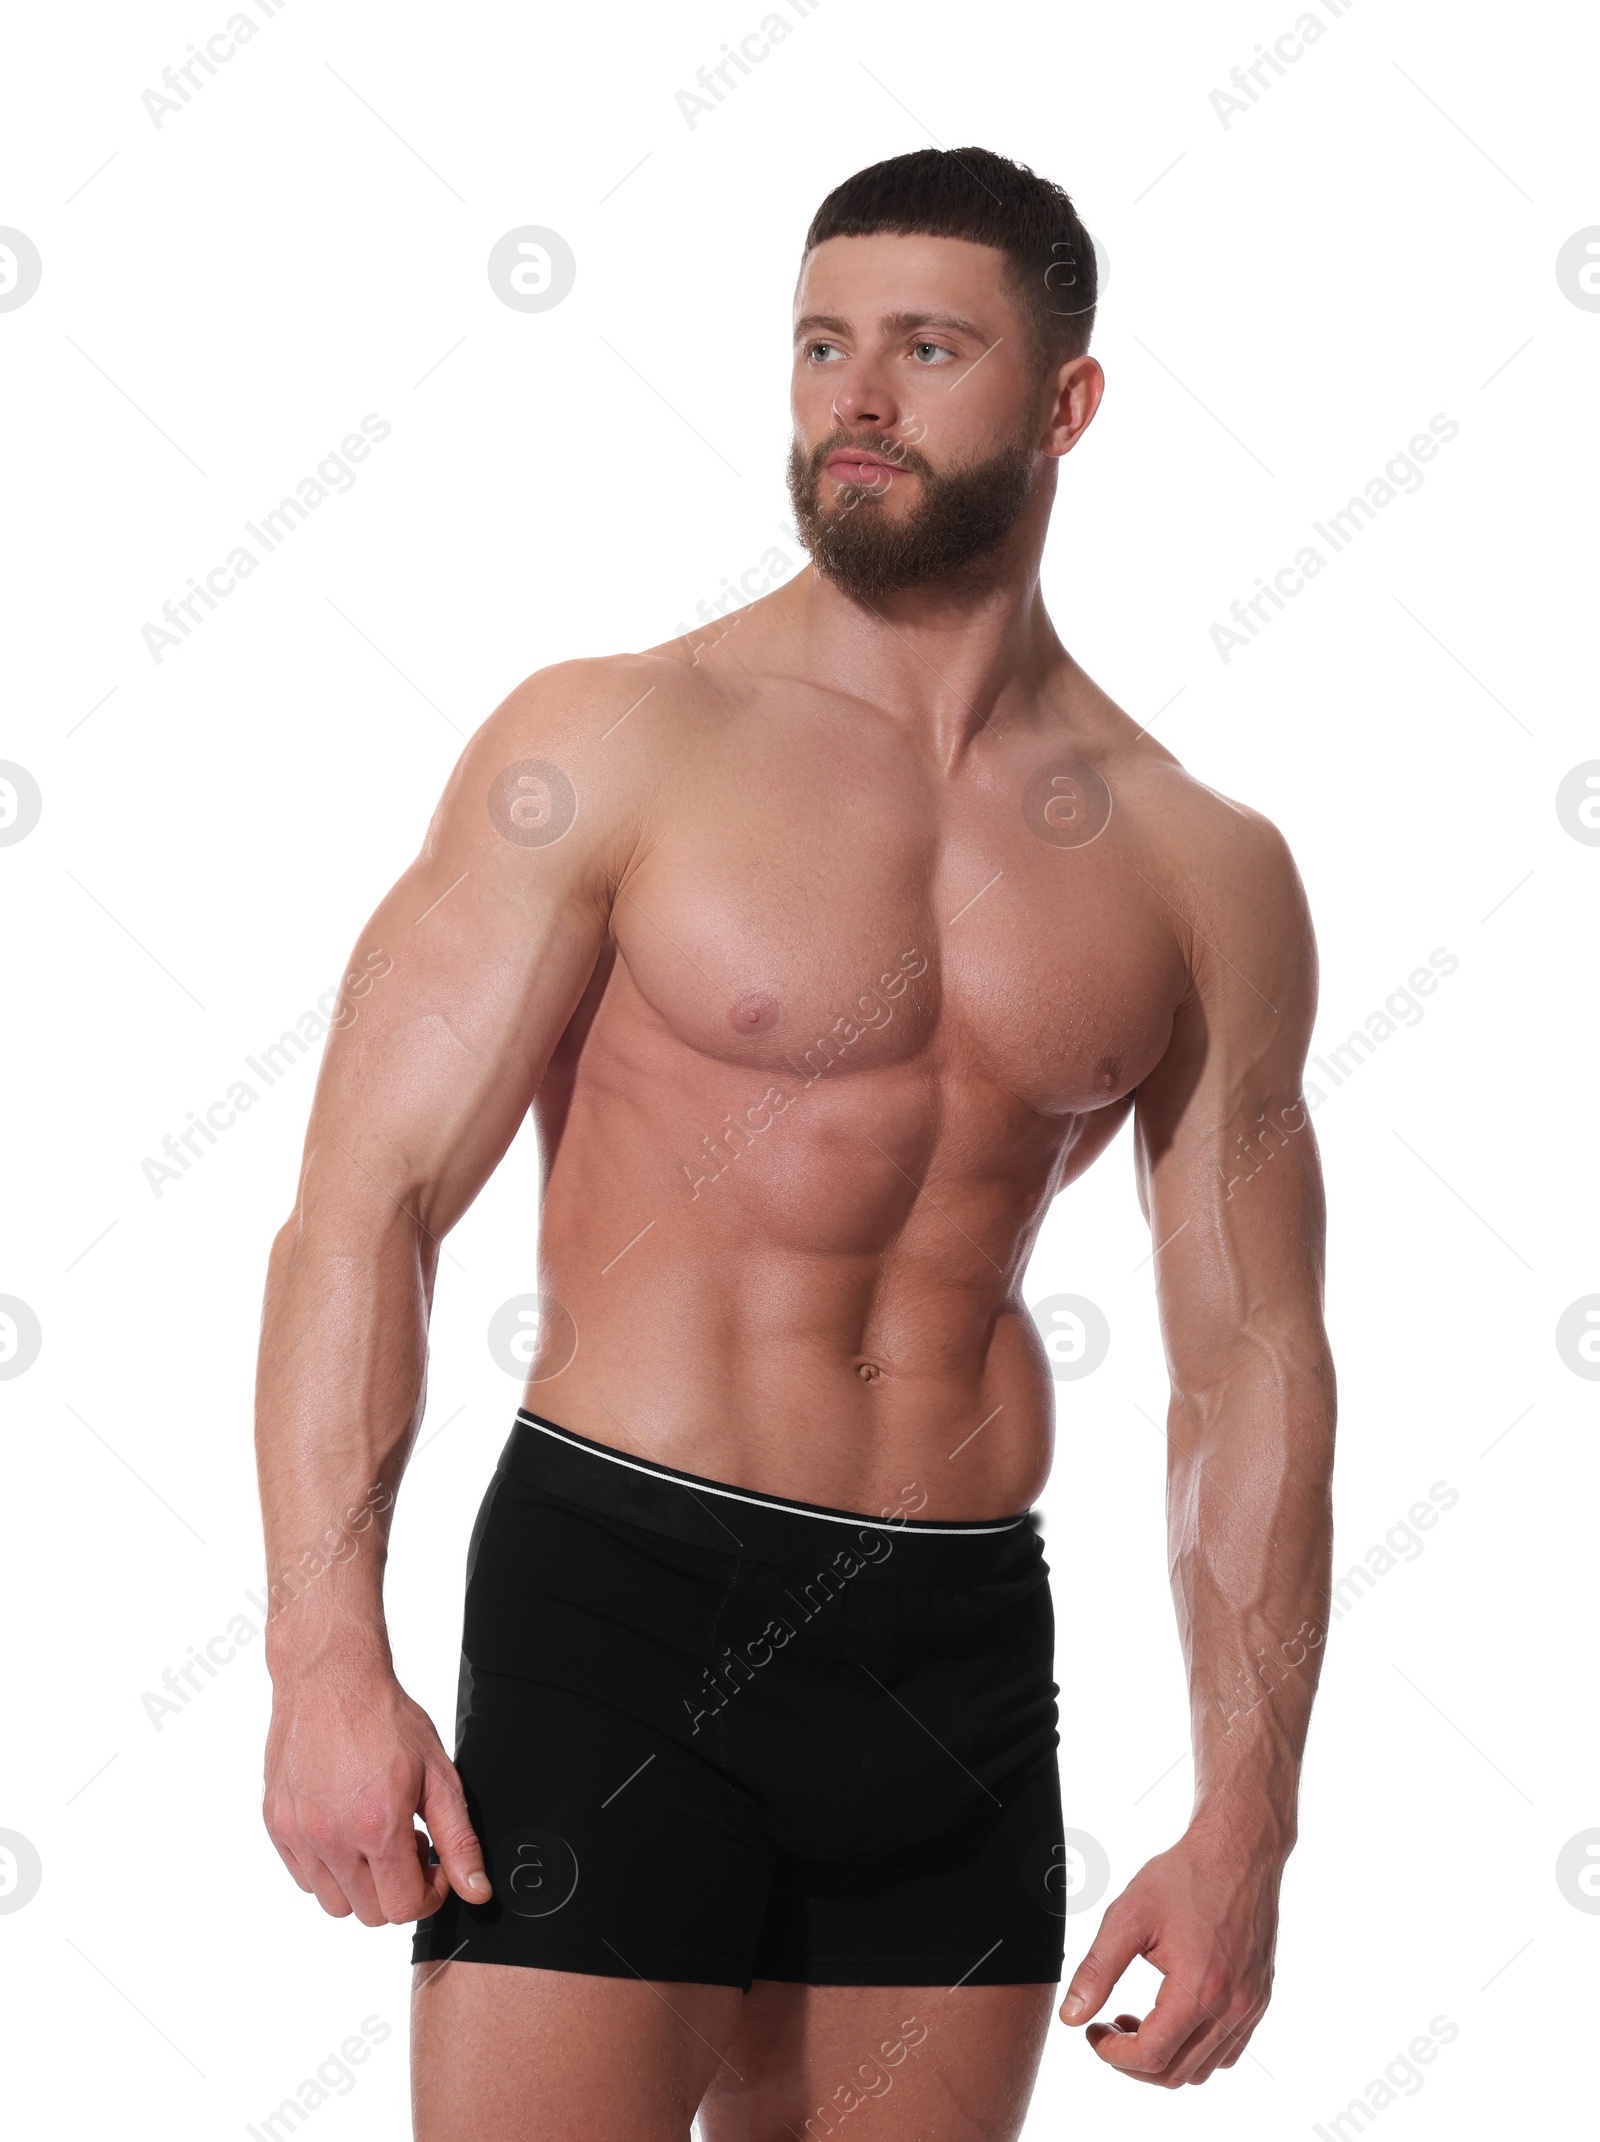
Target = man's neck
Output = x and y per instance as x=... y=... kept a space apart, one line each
x=952 y=663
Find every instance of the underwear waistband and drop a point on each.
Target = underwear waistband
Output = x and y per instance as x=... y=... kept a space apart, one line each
x=737 y=1520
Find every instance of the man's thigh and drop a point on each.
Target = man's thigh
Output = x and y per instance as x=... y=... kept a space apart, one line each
x=507 y=2053
x=932 y=2063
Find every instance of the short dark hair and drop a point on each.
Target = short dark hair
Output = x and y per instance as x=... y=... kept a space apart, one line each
x=974 y=194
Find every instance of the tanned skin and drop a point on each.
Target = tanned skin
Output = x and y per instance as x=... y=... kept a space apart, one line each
x=773 y=825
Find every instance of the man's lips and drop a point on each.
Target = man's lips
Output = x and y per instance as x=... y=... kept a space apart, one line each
x=849 y=466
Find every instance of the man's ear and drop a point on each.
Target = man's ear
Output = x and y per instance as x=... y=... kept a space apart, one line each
x=1076 y=387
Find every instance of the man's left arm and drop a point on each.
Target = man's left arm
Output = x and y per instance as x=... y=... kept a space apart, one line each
x=1230 y=1181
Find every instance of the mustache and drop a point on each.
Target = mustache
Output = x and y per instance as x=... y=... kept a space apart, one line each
x=895 y=451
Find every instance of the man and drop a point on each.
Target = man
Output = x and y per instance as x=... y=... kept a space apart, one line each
x=826 y=948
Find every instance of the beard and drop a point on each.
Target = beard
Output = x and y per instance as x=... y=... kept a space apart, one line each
x=963 y=518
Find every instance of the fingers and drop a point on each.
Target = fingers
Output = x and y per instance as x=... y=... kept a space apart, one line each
x=401 y=1878
x=291 y=1862
x=343 y=1793
x=325 y=1886
x=1145 y=2051
x=1231 y=2016
x=355 y=1859
x=307 y=1866
x=1228 y=2048
x=1151 y=2048
x=1208 y=2067
x=1204 y=1917
x=1121 y=1938
x=1121 y=2047
x=435 y=1881
x=378 y=1857
x=1097 y=2031
x=1193 y=2027
x=388 y=1886
x=346 y=1884
x=444 y=1810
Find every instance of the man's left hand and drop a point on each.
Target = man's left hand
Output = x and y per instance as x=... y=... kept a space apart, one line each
x=1205 y=1914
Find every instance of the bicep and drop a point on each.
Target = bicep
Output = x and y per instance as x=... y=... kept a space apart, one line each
x=472 y=964
x=1228 y=1166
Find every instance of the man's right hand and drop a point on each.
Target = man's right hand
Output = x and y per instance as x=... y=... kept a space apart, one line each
x=350 y=1761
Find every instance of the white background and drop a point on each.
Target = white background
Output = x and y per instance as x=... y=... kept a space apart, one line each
x=1292 y=297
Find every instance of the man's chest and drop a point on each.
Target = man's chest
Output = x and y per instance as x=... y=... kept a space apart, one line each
x=830 y=917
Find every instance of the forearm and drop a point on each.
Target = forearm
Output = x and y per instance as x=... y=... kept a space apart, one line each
x=1250 y=1527
x=340 y=1389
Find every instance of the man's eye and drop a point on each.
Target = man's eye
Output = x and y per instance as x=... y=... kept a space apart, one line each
x=816 y=348
x=926 y=349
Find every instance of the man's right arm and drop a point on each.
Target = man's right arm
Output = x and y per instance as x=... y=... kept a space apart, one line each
x=456 y=994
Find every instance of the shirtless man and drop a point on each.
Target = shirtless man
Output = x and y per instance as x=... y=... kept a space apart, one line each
x=826 y=948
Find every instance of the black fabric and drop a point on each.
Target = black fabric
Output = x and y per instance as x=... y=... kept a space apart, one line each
x=712 y=1736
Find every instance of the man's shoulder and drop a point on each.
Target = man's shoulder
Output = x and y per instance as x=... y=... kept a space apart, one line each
x=612 y=724
x=1222 y=872
x=1217 y=833
x=581 y=744
x=592 y=699
x=1230 y=887
x=1204 y=835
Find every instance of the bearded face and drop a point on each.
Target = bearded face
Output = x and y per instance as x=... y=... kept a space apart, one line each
x=869 y=542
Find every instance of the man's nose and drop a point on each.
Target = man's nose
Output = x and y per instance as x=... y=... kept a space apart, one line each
x=864 y=400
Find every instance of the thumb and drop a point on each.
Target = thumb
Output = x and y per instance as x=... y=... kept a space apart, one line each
x=444 y=1810
x=1118 y=1942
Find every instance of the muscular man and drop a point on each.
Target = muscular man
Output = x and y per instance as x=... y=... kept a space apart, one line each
x=826 y=947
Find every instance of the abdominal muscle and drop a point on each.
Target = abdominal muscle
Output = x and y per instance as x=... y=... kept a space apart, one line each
x=757 y=1383
x=830 y=1312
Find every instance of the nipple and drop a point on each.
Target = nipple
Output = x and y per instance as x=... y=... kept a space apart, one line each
x=1106 y=1073
x=753 y=1013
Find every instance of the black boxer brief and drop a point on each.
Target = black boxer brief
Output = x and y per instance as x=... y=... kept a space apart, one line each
x=711 y=1735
